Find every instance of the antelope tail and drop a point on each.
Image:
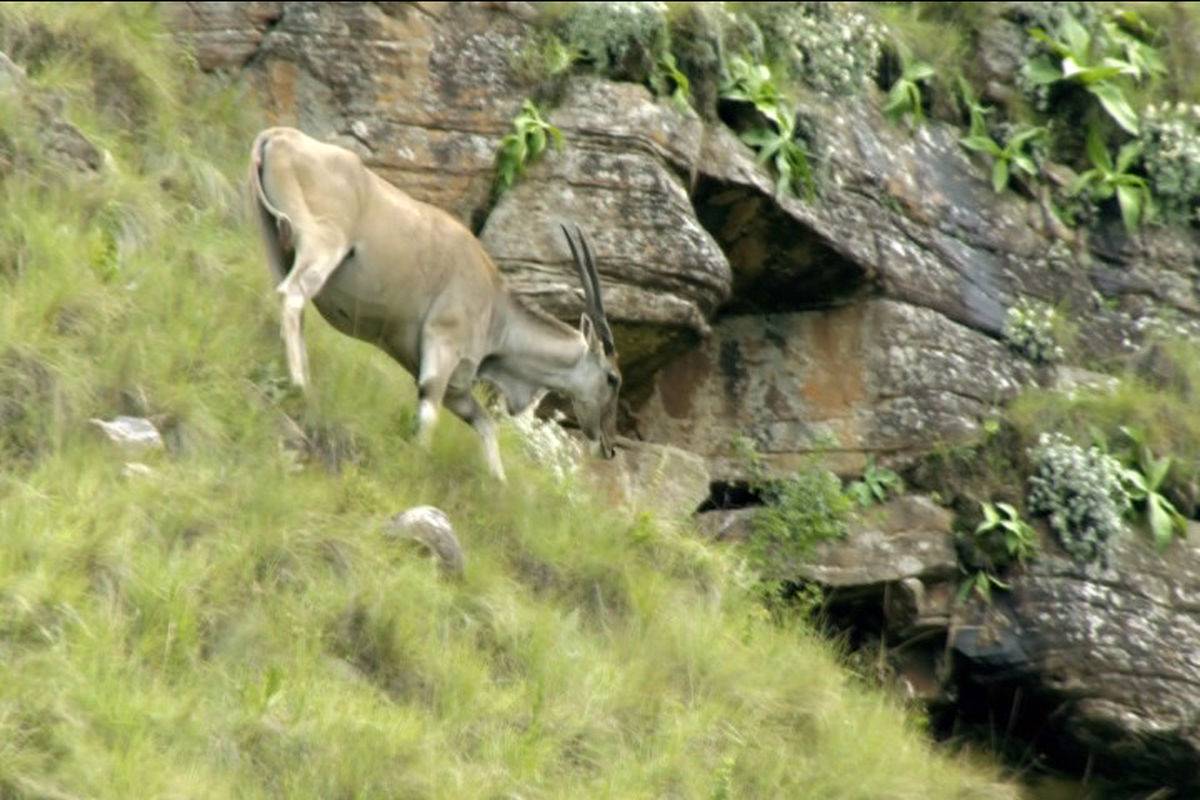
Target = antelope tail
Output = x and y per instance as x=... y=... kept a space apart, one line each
x=275 y=226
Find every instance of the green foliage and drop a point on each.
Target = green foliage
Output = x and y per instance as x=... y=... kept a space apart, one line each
x=1081 y=492
x=904 y=98
x=798 y=512
x=776 y=142
x=523 y=145
x=544 y=56
x=1107 y=178
x=668 y=81
x=1170 y=142
x=1096 y=63
x=1003 y=158
x=997 y=543
x=624 y=40
x=832 y=50
x=876 y=484
x=1144 y=477
x=1029 y=331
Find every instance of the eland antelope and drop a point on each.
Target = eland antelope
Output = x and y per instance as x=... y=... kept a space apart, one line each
x=406 y=276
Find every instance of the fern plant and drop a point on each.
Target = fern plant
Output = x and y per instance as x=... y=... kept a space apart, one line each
x=528 y=140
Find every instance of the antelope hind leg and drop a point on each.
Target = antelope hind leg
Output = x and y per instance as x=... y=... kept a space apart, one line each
x=313 y=266
x=439 y=358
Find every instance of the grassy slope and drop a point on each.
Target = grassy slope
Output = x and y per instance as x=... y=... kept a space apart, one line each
x=233 y=626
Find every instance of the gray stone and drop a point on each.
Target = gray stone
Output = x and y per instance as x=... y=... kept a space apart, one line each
x=727 y=525
x=909 y=537
x=134 y=433
x=879 y=375
x=1116 y=652
x=667 y=481
x=430 y=527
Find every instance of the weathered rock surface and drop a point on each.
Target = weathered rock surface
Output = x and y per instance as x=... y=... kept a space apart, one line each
x=133 y=433
x=663 y=275
x=910 y=218
x=1112 y=656
x=878 y=375
x=909 y=537
x=63 y=141
x=670 y=481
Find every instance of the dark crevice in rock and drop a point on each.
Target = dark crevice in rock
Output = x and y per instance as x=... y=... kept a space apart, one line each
x=1036 y=729
x=778 y=263
x=728 y=495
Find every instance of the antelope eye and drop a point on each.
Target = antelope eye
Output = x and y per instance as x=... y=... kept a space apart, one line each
x=614 y=380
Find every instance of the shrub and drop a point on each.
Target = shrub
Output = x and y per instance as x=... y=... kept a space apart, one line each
x=1029 y=331
x=1171 y=157
x=523 y=145
x=623 y=40
x=999 y=541
x=831 y=50
x=799 y=511
x=1080 y=491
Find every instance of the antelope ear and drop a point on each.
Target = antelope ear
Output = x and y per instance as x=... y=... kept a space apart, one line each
x=588 y=329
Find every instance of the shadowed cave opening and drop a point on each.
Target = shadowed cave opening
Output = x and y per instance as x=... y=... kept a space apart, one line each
x=778 y=263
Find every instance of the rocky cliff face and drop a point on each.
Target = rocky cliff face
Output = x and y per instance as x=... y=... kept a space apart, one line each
x=867 y=322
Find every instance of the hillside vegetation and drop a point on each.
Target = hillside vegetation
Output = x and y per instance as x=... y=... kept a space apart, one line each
x=233 y=623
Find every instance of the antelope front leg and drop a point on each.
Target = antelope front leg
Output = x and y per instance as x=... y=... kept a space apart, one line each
x=467 y=408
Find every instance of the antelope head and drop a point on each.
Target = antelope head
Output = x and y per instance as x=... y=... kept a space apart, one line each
x=599 y=379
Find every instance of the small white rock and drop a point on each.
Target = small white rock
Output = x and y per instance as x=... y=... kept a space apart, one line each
x=431 y=527
x=135 y=432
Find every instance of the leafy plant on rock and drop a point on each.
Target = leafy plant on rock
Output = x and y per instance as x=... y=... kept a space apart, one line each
x=1081 y=492
x=528 y=139
x=1012 y=154
x=904 y=98
x=876 y=484
x=999 y=541
x=1029 y=331
x=1079 y=58
x=667 y=80
x=1107 y=178
x=776 y=142
x=1143 y=480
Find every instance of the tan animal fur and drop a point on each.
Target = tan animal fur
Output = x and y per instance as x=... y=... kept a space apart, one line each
x=406 y=276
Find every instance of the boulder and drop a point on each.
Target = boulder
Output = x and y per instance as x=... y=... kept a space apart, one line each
x=431 y=528
x=667 y=481
x=906 y=538
x=622 y=178
x=874 y=376
x=1111 y=658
